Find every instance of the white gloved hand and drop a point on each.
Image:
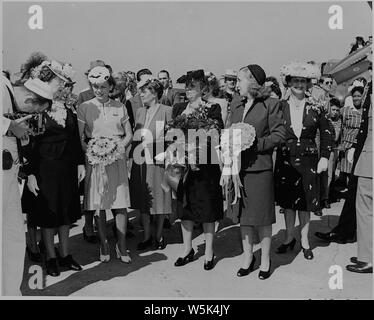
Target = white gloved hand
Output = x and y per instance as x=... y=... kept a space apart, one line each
x=32 y=184
x=322 y=165
x=350 y=155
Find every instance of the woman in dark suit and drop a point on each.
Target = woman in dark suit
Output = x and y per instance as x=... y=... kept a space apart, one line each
x=199 y=197
x=256 y=208
x=55 y=168
x=298 y=163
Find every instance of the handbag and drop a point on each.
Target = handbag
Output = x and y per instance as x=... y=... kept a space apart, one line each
x=7 y=160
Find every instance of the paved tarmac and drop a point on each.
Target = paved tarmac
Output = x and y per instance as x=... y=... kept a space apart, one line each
x=152 y=274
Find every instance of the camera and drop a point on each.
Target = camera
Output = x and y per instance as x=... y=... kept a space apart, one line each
x=36 y=123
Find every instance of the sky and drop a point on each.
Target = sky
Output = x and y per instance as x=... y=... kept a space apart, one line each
x=181 y=36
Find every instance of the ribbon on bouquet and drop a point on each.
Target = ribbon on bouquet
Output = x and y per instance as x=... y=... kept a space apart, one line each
x=175 y=170
x=99 y=181
x=230 y=175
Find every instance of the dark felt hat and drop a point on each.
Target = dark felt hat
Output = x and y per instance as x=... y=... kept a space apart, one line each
x=258 y=73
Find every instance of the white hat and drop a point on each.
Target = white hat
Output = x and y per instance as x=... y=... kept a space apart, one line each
x=40 y=88
x=146 y=78
x=230 y=73
x=98 y=75
x=301 y=69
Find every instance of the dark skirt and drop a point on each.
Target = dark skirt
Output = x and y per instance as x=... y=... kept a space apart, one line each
x=199 y=198
x=256 y=206
x=297 y=183
x=57 y=203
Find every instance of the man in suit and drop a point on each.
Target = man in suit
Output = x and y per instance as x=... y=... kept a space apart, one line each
x=171 y=96
x=362 y=155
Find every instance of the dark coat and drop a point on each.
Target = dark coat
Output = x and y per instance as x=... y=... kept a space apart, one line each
x=266 y=117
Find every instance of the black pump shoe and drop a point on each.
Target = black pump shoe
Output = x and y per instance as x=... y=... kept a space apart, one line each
x=188 y=258
x=209 y=265
x=308 y=254
x=145 y=244
x=52 y=267
x=160 y=245
x=34 y=256
x=265 y=274
x=89 y=239
x=69 y=263
x=244 y=272
x=283 y=247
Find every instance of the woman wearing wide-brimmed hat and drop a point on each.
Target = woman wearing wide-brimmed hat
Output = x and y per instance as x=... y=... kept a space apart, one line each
x=199 y=195
x=298 y=160
x=256 y=209
x=55 y=167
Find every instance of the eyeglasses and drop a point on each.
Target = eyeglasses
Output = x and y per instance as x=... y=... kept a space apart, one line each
x=230 y=79
x=328 y=82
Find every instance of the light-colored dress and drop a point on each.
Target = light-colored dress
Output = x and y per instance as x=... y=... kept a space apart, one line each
x=146 y=192
x=105 y=120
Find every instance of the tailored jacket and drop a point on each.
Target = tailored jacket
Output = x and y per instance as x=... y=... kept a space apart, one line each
x=172 y=97
x=163 y=114
x=57 y=143
x=134 y=104
x=266 y=117
x=363 y=156
x=306 y=144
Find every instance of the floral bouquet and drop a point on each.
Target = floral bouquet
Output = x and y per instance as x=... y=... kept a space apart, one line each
x=103 y=151
x=239 y=137
x=182 y=156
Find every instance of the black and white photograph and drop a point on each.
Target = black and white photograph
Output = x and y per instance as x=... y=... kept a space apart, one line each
x=175 y=150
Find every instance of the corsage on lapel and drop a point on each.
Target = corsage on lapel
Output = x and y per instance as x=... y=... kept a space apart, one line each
x=314 y=104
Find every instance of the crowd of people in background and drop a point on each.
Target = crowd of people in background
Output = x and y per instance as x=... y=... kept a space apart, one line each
x=311 y=150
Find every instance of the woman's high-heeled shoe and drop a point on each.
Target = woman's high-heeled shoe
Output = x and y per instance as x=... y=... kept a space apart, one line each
x=105 y=257
x=209 y=265
x=265 y=274
x=124 y=258
x=283 y=247
x=188 y=258
x=308 y=253
x=244 y=272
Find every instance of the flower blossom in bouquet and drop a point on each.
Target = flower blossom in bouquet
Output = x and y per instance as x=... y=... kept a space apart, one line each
x=239 y=137
x=105 y=150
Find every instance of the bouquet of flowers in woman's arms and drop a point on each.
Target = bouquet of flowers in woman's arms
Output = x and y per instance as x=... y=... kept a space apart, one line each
x=103 y=151
x=239 y=137
x=183 y=155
